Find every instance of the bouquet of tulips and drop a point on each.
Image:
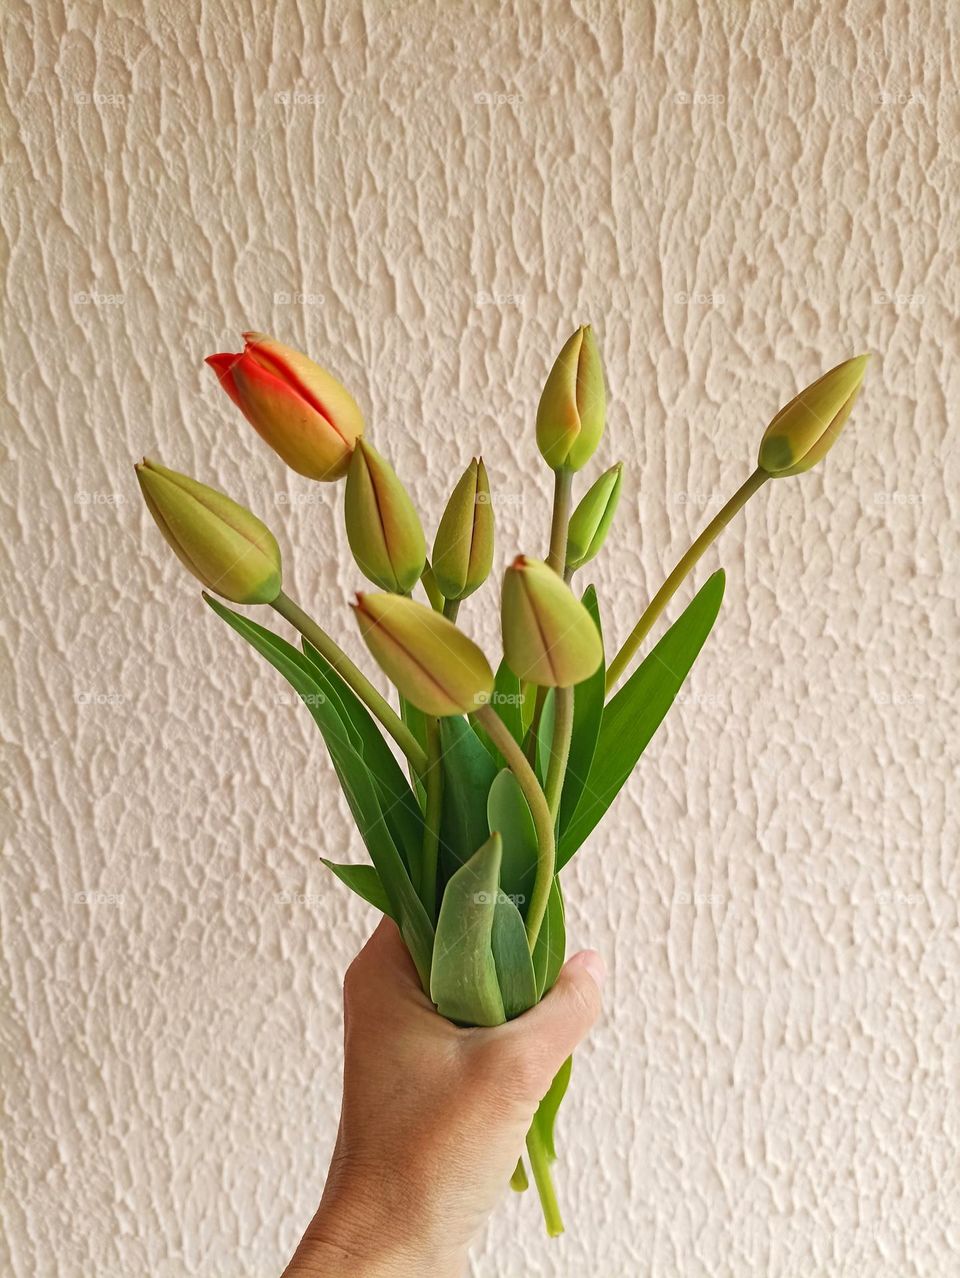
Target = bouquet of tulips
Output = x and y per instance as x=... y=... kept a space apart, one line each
x=476 y=789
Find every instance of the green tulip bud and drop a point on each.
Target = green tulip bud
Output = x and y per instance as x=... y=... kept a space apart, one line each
x=431 y=663
x=572 y=408
x=463 y=549
x=591 y=520
x=225 y=547
x=383 y=527
x=808 y=427
x=549 y=637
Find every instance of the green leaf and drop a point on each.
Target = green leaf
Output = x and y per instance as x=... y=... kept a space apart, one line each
x=355 y=778
x=546 y=1115
x=551 y=943
x=364 y=881
x=511 y=955
x=545 y=734
x=401 y=810
x=633 y=715
x=468 y=773
x=463 y=978
x=507 y=700
x=588 y=698
x=509 y=816
x=415 y=720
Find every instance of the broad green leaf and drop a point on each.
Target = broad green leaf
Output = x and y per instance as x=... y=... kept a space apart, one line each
x=355 y=778
x=414 y=718
x=545 y=734
x=546 y=1115
x=509 y=816
x=468 y=773
x=463 y=978
x=364 y=881
x=633 y=715
x=400 y=807
x=588 y=698
x=551 y=943
x=511 y=955
x=506 y=699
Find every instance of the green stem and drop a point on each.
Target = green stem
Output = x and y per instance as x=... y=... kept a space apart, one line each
x=355 y=677
x=500 y=735
x=450 y=609
x=670 y=586
x=559 y=748
x=433 y=783
x=540 y=1166
x=431 y=589
x=562 y=490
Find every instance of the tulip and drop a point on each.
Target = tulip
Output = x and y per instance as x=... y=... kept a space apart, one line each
x=463 y=548
x=383 y=527
x=549 y=637
x=572 y=408
x=432 y=663
x=800 y=434
x=591 y=521
x=225 y=547
x=807 y=428
x=299 y=408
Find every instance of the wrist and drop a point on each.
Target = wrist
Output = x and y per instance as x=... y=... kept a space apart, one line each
x=360 y=1231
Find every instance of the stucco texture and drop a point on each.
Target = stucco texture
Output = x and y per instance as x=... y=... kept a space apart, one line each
x=428 y=198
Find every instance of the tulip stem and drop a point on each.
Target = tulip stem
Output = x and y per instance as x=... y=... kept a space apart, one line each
x=433 y=784
x=562 y=491
x=353 y=676
x=670 y=586
x=559 y=748
x=502 y=738
x=540 y=1166
x=450 y=609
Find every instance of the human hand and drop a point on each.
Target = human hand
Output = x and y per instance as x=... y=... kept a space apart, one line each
x=433 y=1117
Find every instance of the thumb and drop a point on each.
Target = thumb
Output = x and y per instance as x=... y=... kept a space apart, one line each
x=563 y=1018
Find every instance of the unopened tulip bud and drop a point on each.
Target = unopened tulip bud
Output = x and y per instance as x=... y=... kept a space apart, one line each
x=808 y=427
x=383 y=527
x=572 y=408
x=225 y=547
x=463 y=548
x=300 y=409
x=432 y=663
x=591 y=520
x=549 y=637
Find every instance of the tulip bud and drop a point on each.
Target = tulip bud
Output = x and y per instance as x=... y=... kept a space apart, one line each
x=299 y=408
x=432 y=663
x=808 y=427
x=225 y=547
x=463 y=549
x=591 y=520
x=383 y=527
x=549 y=637
x=573 y=404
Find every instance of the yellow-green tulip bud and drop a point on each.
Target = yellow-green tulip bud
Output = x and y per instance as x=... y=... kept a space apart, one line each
x=225 y=547
x=549 y=638
x=463 y=549
x=431 y=663
x=573 y=405
x=383 y=527
x=808 y=427
x=591 y=520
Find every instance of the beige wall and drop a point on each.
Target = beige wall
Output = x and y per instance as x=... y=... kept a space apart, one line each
x=737 y=199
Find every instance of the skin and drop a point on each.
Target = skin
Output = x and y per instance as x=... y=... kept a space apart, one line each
x=433 y=1117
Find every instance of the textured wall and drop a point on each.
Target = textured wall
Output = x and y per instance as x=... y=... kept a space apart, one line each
x=428 y=198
